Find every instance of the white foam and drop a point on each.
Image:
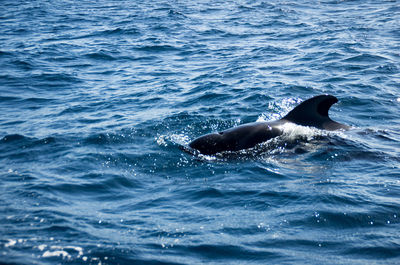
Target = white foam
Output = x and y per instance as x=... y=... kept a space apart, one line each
x=180 y=139
x=42 y=247
x=207 y=157
x=161 y=140
x=56 y=253
x=293 y=131
x=11 y=242
x=60 y=251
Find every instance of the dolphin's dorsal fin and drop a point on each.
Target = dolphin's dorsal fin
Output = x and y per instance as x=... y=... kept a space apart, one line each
x=314 y=112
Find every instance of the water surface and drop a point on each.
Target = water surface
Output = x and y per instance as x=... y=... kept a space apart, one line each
x=97 y=100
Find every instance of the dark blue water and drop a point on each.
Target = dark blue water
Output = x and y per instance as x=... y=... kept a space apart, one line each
x=97 y=99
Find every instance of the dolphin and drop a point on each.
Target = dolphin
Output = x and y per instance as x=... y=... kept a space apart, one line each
x=312 y=112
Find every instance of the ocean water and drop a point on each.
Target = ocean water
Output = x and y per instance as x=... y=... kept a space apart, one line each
x=99 y=99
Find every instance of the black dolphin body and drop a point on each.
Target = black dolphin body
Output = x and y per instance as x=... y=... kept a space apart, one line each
x=312 y=112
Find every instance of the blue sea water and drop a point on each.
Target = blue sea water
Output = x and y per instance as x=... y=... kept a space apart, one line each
x=99 y=98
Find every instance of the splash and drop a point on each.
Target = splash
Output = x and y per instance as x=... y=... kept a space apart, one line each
x=176 y=139
x=293 y=132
